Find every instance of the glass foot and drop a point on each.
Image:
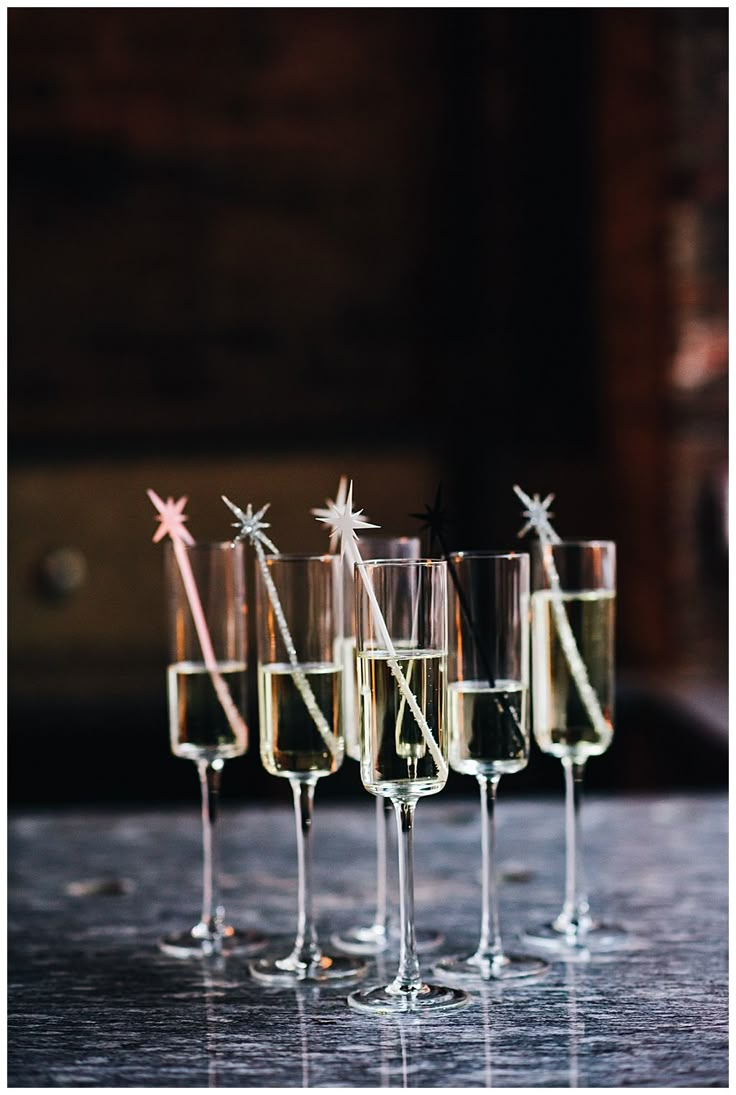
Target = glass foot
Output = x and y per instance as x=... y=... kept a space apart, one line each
x=375 y=939
x=477 y=968
x=592 y=937
x=426 y=1001
x=199 y=942
x=290 y=970
x=371 y=940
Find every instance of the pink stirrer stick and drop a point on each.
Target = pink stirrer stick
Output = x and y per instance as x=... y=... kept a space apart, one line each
x=172 y=520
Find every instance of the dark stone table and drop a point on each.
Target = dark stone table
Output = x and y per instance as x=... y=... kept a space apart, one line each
x=92 y=1003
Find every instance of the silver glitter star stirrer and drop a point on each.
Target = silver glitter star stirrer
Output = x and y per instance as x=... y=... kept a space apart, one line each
x=171 y=517
x=251 y=526
x=538 y=515
x=344 y=521
x=538 y=518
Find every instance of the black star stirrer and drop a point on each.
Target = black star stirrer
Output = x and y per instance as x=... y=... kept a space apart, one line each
x=436 y=520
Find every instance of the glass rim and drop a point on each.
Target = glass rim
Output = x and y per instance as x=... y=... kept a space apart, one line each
x=403 y=538
x=579 y=543
x=223 y=545
x=402 y=562
x=488 y=554
x=304 y=557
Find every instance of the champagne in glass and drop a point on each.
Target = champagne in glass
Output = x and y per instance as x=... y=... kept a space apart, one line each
x=291 y=744
x=207 y=699
x=402 y=651
x=488 y=720
x=199 y=727
x=573 y=613
x=484 y=727
x=396 y=762
x=564 y=725
x=299 y=627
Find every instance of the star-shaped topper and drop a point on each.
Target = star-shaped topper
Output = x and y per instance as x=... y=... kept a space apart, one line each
x=344 y=520
x=251 y=525
x=325 y=513
x=538 y=515
x=172 y=518
x=436 y=520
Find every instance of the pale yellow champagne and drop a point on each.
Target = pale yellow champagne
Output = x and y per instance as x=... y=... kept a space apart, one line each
x=291 y=743
x=198 y=725
x=396 y=761
x=562 y=721
x=488 y=728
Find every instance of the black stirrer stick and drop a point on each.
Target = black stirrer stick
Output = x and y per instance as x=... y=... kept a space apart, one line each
x=436 y=520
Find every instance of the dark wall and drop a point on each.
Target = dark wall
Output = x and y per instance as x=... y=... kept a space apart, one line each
x=208 y=206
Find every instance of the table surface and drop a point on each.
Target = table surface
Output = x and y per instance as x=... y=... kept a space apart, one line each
x=93 y=1003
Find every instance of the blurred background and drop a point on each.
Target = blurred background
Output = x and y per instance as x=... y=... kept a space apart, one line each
x=251 y=250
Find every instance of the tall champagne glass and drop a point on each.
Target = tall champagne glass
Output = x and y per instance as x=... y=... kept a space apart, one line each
x=573 y=611
x=202 y=727
x=488 y=689
x=383 y=931
x=402 y=655
x=299 y=628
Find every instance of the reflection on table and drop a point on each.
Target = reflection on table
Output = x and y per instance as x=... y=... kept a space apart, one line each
x=92 y=1002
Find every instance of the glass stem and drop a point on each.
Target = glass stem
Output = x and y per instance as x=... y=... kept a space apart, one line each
x=306 y=947
x=574 y=918
x=212 y=911
x=490 y=947
x=383 y=807
x=407 y=980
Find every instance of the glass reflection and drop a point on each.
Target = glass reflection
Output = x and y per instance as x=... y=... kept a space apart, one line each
x=400 y=1052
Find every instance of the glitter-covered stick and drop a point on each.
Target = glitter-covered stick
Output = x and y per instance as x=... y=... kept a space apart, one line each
x=538 y=518
x=251 y=526
x=344 y=522
x=171 y=517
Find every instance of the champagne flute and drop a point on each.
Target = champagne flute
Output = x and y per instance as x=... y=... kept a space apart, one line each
x=488 y=687
x=384 y=929
x=206 y=705
x=299 y=627
x=573 y=611
x=401 y=618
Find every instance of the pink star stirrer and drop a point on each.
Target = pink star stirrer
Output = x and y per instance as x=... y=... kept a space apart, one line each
x=343 y=521
x=172 y=518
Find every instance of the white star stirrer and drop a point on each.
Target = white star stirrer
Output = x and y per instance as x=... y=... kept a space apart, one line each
x=251 y=526
x=538 y=518
x=350 y=704
x=344 y=521
x=171 y=517
x=325 y=513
